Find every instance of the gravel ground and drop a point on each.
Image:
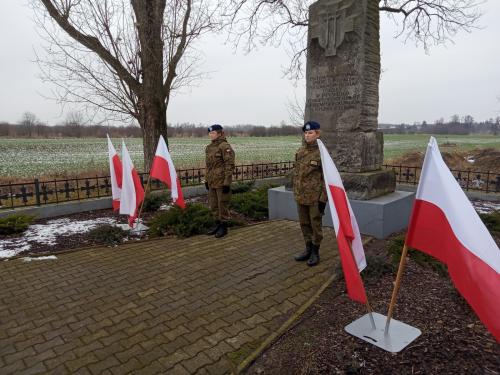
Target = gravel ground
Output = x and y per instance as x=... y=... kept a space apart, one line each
x=453 y=340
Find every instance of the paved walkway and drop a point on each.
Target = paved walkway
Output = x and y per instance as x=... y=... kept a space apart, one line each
x=198 y=305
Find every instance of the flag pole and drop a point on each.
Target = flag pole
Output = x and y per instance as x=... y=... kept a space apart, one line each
x=402 y=263
x=145 y=193
x=367 y=304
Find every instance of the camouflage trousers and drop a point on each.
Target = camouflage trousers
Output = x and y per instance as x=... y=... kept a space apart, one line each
x=219 y=203
x=311 y=223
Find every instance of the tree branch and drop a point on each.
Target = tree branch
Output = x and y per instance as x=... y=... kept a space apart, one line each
x=172 y=65
x=92 y=43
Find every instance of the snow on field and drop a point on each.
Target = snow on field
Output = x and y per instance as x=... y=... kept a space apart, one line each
x=29 y=158
x=47 y=234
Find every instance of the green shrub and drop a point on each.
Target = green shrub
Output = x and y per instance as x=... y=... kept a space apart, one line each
x=492 y=222
x=15 y=224
x=395 y=247
x=153 y=202
x=242 y=187
x=107 y=234
x=378 y=266
x=194 y=219
x=252 y=204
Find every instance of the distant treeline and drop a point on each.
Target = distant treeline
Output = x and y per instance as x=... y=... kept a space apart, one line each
x=456 y=125
x=39 y=130
x=29 y=127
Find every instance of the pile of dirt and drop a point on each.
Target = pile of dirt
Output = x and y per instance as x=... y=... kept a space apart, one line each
x=475 y=160
x=487 y=159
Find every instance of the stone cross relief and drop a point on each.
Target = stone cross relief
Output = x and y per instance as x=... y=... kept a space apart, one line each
x=332 y=24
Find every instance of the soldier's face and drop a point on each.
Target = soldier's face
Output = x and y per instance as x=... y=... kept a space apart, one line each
x=310 y=136
x=213 y=135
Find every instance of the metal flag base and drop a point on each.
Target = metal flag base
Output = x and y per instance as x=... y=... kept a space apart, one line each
x=138 y=228
x=397 y=338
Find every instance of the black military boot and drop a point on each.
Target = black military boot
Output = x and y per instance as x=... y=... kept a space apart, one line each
x=222 y=231
x=306 y=254
x=314 y=259
x=214 y=230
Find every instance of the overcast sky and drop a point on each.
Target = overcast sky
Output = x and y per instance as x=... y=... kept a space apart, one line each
x=461 y=78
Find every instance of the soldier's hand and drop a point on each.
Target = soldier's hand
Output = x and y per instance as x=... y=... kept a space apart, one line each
x=226 y=189
x=321 y=207
x=206 y=185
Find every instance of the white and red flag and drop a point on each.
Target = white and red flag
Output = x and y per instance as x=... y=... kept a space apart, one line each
x=445 y=225
x=163 y=169
x=346 y=228
x=115 y=173
x=132 y=191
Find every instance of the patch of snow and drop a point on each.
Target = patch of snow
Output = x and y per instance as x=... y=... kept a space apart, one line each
x=47 y=234
x=12 y=247
x=485 y=207
x=470 y=159
x=123 y=226
x=49 y=257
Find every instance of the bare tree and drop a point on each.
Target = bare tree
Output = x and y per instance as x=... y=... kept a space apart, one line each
x=28 y=123
x=274 y=21
x=74 y=123
x=296 y=111
x=495 y=127
x=125 y=58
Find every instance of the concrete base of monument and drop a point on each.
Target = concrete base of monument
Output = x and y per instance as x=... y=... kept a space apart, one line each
x=368 y=185
x=378 y=217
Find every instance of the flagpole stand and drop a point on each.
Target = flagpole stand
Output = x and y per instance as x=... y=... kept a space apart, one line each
x=139 y=228
x=398 y=336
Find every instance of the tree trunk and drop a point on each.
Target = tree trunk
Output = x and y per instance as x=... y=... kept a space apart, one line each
x=152 y=107
x=153 y=122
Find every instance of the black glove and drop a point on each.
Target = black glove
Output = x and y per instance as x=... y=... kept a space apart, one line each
x=206 y=185
x=226 y=189
x=321 y=207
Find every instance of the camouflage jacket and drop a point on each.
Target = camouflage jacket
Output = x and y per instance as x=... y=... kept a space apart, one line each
x=219 y=163
x=308 y=183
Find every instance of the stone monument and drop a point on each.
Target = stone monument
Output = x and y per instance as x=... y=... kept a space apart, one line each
x=342 y=77
x=342 y=91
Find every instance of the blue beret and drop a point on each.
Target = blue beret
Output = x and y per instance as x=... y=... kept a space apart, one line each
x=214 y=127
x=310 y=125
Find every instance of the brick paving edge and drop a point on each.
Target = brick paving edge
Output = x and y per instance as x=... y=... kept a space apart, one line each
x=285 y=326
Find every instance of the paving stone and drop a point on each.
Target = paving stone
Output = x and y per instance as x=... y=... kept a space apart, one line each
x=197 y=362
x=140 y=308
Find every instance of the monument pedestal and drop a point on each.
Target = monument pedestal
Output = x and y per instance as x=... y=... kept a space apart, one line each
x=378 y=217
x=368 y=185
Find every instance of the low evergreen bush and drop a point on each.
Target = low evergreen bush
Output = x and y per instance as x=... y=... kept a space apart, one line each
x=492 y=222
x=15 y=224
x=242 y=187
x=194 y=219
x=395 y=247
x=107 y=234
x=252 y=204
x=153 y=202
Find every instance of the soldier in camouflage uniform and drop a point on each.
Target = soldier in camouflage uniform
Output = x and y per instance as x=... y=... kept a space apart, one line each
x=219 y=174
x=310 y=194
